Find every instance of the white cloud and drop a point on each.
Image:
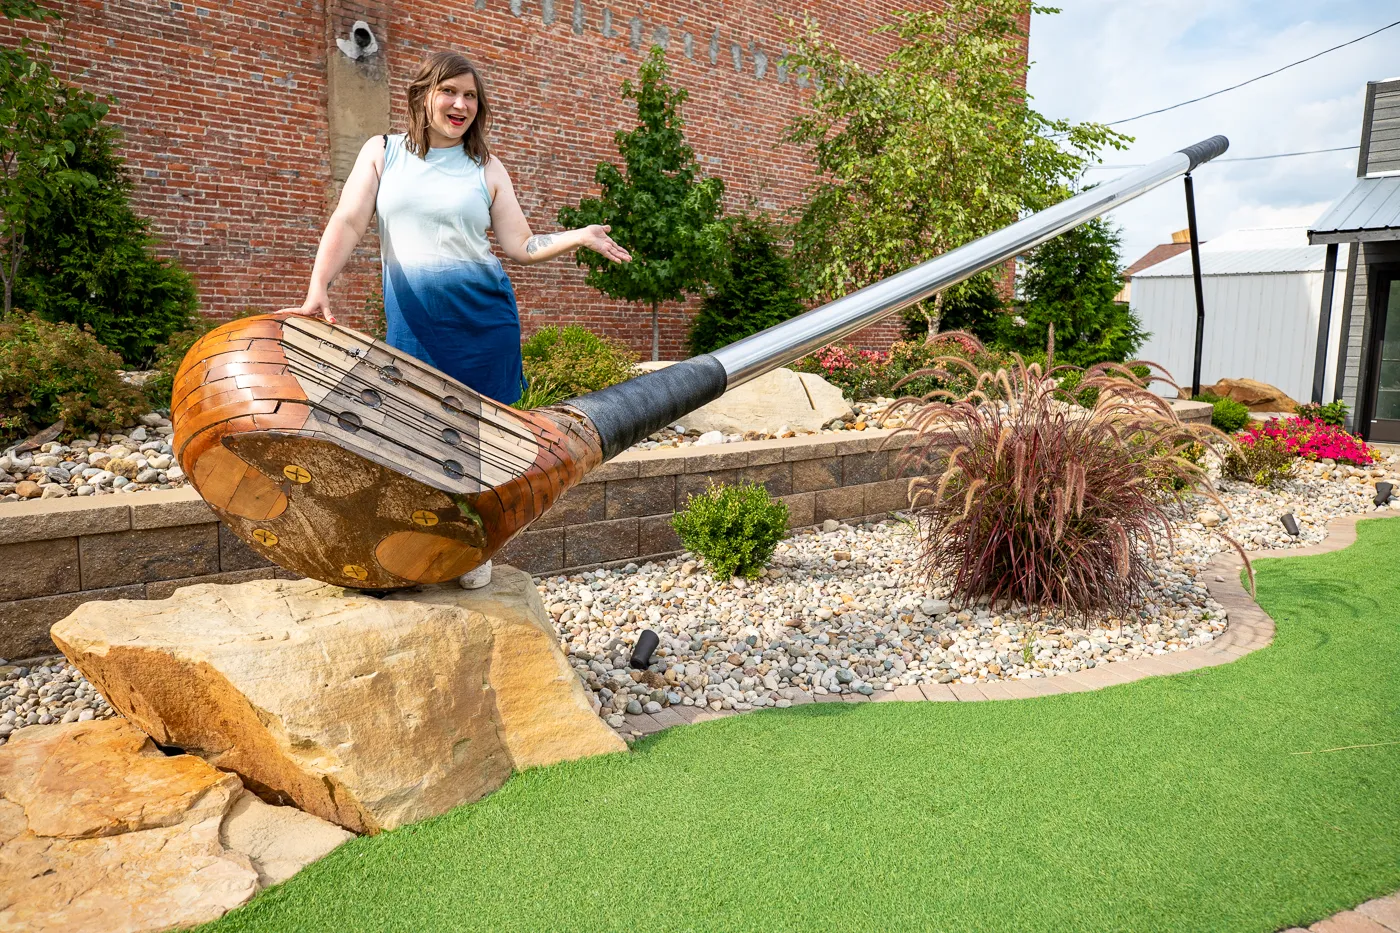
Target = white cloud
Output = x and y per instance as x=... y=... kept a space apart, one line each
x=1107 y=60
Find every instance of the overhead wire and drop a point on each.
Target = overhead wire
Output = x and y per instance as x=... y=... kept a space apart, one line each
x=1261 y=77
x=1258 y=158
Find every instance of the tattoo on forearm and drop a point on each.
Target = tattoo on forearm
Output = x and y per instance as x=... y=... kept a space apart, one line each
x=537 y=243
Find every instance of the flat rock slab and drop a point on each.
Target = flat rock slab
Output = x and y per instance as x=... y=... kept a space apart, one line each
x=101 y=831
x=802 y=401
x=369 y=713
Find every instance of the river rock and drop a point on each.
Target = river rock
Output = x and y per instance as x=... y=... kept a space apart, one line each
x=779 y=399
x=369 y=713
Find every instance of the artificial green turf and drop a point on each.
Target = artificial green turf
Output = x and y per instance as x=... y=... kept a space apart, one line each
x=1173 y=803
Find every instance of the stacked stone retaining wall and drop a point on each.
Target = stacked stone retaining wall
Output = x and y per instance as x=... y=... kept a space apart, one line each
x=58 y=553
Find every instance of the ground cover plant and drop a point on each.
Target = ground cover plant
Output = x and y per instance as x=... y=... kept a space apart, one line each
x=1259 y=459
x=909 y=367
x=1333 y=413
x=1246 y=798
x=1021 y=495
x=734 y=528
x=51 y=372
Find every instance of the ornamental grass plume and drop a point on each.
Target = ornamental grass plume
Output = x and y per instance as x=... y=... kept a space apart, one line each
x=1021 y=495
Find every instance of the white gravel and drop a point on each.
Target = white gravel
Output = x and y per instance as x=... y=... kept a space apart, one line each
x=844 y=610
x=134 y=459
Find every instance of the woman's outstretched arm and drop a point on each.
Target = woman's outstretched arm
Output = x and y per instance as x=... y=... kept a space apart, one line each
x=344 y=229
x=520 y=244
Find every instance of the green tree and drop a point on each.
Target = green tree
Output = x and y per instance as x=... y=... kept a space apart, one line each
x=661 y=208
x=92 y=261
x=977 y=308
x=755 y=291
x=39 y=115
x=937 y=148
x=1070 y=282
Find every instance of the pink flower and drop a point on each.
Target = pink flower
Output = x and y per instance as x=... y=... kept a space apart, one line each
x=1310 y=439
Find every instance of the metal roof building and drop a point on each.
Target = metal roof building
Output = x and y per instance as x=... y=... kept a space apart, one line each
x=1263 y=290
x=1367 y=343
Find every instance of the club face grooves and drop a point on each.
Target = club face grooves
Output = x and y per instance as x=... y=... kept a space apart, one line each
x=326 y=450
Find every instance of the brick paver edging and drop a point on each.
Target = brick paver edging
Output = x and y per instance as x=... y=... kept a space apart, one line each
x=1249 y=630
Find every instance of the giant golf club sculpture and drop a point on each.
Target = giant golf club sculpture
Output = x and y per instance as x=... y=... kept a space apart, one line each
x=343 y=459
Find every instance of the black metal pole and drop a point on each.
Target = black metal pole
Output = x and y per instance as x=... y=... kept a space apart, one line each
x=1324 y=322
x=1200 y=295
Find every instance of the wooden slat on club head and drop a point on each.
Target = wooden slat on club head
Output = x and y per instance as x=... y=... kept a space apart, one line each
x=345 y=460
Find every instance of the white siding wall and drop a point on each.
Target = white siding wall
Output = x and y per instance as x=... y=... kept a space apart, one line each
x=1260 y=327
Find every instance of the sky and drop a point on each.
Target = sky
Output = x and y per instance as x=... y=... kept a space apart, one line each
x=1105 y=60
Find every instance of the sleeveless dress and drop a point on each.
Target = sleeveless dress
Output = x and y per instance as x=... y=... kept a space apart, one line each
x=447 y=301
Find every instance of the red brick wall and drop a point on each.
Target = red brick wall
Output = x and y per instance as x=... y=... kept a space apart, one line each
x=224 y=110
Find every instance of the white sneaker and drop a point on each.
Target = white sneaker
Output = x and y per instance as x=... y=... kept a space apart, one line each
x=476 y=579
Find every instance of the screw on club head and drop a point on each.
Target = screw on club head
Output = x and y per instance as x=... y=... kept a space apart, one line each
x=1290 y=524
x=1383 y=491
x=641 y=654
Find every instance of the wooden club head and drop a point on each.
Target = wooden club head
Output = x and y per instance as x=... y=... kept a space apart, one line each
x=342 y=459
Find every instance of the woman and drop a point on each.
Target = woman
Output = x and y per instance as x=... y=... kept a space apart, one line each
x=437 y=189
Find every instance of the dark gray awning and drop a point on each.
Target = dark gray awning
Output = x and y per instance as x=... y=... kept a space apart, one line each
x=1370 y=211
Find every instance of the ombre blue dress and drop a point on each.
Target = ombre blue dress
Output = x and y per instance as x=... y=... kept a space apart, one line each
x=447 y=300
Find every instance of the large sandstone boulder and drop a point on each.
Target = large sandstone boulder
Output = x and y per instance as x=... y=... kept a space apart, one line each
x=369 y=713
x=1254 y=395
x=101 y=831
x=802 y=401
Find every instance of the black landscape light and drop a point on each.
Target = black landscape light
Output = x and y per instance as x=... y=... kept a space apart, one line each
x=1382 y=494
x=641 y=654
x=1290 y=524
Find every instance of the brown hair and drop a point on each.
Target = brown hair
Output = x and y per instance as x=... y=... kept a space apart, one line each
x=437 y=68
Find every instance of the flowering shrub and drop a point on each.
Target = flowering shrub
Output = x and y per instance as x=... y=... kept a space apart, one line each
x=1309 y=439
x=857 y=373
x=911 y=367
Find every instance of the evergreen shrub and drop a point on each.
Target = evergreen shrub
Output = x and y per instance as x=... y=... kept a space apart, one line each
x=91 y=262
x=755 y=291
x=60 y=371
x=734 y=528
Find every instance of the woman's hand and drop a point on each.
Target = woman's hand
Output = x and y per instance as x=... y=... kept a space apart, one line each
x=317 y=304
x=595 y=237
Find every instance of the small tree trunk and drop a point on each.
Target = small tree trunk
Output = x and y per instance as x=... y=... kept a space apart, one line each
x=9 y=271
x=933 y=318
x=655 y=333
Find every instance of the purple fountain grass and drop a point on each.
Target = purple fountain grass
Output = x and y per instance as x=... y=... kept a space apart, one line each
x=1021 y=495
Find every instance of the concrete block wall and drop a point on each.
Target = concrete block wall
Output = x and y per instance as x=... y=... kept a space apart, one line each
x=58 y=553
x=622 y=511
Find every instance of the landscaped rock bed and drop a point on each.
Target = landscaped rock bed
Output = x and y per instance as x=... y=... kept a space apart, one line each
x=844 y=610
x=134 y=459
